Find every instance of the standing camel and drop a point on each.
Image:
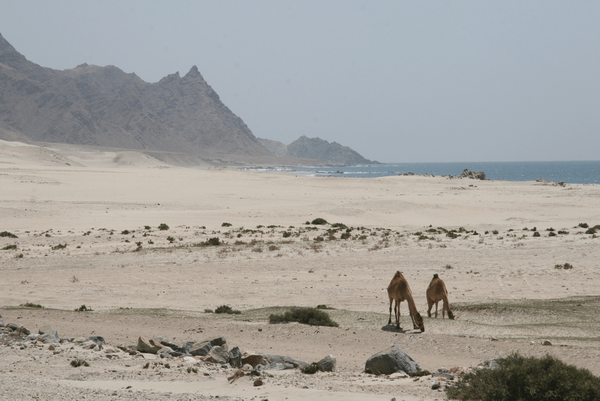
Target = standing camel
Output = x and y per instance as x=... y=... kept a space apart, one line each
x=437 y=292
x=399 y=291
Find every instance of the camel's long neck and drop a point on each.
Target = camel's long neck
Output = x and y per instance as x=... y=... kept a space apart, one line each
x=411 y=303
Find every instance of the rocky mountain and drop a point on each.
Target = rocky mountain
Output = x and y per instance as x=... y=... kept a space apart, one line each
x=331 y=153
x=104 y=106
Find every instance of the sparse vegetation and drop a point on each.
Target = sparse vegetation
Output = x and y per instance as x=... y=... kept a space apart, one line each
x=83 y=308
x=319 y=221
x=215 y=241
x=9 y=247
x=31 y=305
x=528 y=378
x=7 y=234
x=59 y=246
x=226 y=225
x=227 y=309
x=163 y=227
x=310 y=316
x=79 y=362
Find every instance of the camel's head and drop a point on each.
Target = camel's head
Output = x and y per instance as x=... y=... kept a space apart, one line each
x=450 y=315
x=436 y=276
x=419 y=321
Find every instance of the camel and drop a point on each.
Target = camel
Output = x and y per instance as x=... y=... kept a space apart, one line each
x=399 y=291
x=437 y=292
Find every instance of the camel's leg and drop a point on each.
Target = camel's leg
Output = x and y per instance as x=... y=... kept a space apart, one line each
x=430 y=304
x=390 y=320
x=436 y=308
x=397 y=310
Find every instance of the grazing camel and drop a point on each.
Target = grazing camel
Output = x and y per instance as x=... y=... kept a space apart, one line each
x=437 y=292
x=399 y=291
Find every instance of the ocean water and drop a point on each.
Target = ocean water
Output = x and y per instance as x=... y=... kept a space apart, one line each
x=574 y=172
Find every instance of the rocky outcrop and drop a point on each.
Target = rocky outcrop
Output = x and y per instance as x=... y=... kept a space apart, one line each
x=476 y=175
x=331 y=153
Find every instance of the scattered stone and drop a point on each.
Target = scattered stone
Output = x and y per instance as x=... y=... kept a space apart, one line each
x=435 y=385
x=239 y=373
x=235 y=357
x=219 y=355
x=443 y=370
x=12 y=326
x=1 y=321
x=258 y=382
x=546 y=342
x=254 y=360
x=148 y=347
x=22 y=331
x=446 y=376
x=48 y=329
x=279 y=359
x=391 y=361
x=97 y=339
x=328 y=363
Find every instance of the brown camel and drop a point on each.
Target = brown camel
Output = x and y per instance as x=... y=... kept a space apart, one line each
x=399 y=291
x=437 y=292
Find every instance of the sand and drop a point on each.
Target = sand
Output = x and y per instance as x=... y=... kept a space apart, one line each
x=81 y=215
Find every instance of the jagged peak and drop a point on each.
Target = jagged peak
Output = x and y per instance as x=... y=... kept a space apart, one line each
x=194 y=73
x=6 y=47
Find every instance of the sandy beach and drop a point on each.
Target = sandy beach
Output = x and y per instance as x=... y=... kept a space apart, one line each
x=87 y=227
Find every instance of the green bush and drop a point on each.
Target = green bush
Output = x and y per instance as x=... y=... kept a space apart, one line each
x=227 y=309
x=310 y=316
x=536 y=234
x=226 y=225
x=83 y=308
x=9 y=247
x=163 y=227
x=528 y=379
x=319 y=221
x=7 y=234
x=79 y=362
x=215 y=241
x=31 y=305
x=287 y=234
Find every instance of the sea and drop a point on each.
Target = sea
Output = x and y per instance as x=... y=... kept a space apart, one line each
x=573 y=172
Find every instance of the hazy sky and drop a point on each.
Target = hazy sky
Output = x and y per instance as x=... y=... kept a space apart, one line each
x=398 y=81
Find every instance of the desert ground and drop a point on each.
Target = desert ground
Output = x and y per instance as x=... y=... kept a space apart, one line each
x=87 y=233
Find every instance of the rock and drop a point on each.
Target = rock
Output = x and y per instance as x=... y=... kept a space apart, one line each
x=168 y=343
x=22 y=331
x=32 y=337
x=279 y=359
x=219 y=354
x=391 y=361
x=476 y=175
x=546 y=342
x=200 y=348
x=435 y=385
x=168 y=352
x=277 y=366
x=12 y=326
x=48 y=329
x=97 y=339
x=258 y=382
x=204 y=347
x=1 y=321
x=235 y=357
x=147 y=347
x=47 y=338
x=446 y=376
x=328 y=363
x=443 y=370
x=254 y=360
